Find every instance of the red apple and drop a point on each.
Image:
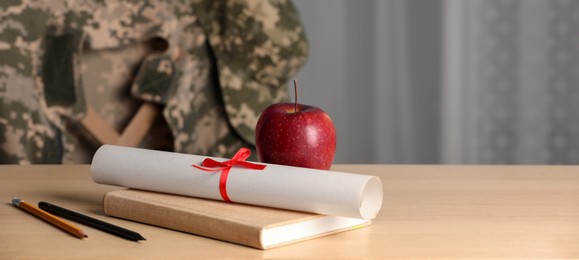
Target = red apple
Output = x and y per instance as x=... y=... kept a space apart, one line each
x=296 y=135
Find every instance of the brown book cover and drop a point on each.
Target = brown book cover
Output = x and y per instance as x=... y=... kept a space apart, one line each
x=254 y=226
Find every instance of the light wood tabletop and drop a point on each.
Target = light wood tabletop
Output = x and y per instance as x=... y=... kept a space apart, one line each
x=429 y=211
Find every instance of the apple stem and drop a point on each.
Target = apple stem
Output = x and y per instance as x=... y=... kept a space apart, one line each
x=296 y=95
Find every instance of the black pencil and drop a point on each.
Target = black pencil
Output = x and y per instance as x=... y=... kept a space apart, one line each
x=91 y=222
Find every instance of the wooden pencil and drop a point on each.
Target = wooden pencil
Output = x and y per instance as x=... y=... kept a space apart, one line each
x=54 y=220
x=91 y=222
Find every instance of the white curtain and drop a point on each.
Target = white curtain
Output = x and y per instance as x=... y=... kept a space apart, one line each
x=446 y=81
x=511 y=82
x=360 y=71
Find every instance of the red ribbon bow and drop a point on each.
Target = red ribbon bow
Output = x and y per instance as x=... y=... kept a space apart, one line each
x=238 y=160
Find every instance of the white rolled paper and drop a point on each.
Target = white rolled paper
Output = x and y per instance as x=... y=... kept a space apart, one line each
x=277 y=186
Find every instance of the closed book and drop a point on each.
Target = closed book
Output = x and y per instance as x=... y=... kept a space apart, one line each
x=253 y=226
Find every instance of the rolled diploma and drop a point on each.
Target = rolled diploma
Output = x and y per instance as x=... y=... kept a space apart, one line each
x=277 y=186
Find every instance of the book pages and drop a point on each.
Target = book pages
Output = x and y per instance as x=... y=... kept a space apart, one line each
x=277 y=186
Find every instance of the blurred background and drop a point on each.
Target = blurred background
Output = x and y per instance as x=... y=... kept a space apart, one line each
x=446 y=81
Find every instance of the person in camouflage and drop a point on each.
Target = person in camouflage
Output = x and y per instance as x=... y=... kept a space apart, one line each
x=210 y=66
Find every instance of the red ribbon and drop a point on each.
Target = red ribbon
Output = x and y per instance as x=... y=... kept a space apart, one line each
x=238 y=160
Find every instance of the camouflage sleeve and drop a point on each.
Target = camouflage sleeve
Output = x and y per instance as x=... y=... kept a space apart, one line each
x=259 y=46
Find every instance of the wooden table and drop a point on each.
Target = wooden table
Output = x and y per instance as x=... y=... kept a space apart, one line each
x=428 y=212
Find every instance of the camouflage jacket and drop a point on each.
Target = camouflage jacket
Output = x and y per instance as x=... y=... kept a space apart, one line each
x=211 y=66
